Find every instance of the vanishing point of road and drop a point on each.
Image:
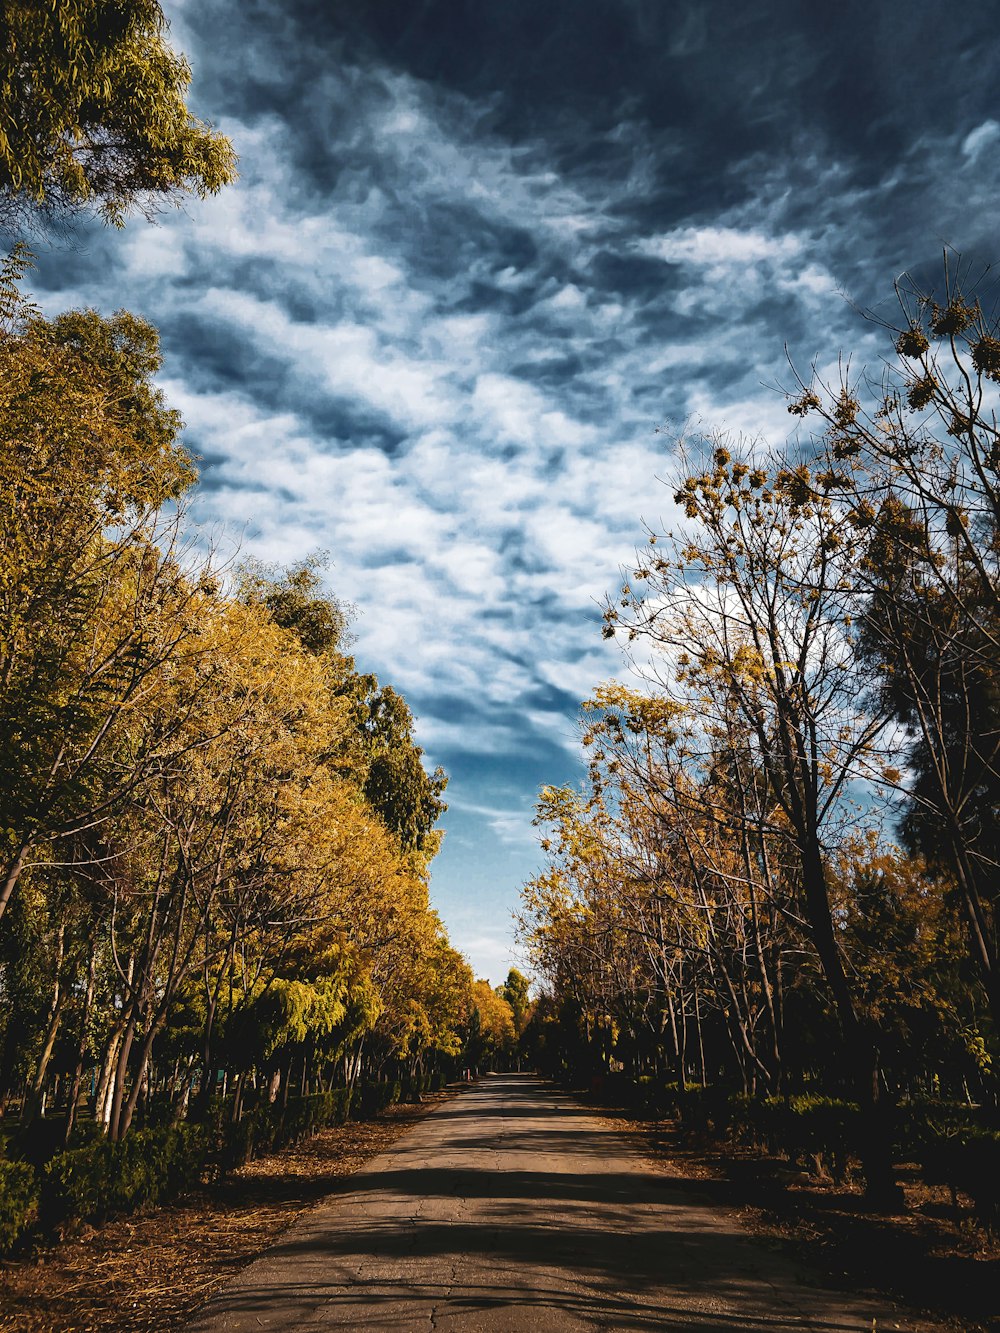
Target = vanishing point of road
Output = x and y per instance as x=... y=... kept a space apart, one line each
x=512 y=1208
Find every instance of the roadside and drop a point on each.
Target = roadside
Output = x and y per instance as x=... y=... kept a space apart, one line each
x=932 y=1257
x=148 y=1273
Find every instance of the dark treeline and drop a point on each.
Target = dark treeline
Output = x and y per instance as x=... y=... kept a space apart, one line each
x=783 y=875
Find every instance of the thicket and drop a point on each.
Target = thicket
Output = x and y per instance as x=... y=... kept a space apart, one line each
x=781 y=880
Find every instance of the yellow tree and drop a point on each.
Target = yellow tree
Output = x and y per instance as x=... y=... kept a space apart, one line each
x=749 y=612
x=90 y=607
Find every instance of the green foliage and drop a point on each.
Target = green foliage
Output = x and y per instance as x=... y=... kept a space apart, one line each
x=92 y=111
x=92 y=1182
x=515 y=991
x=18 y=1202
x=375 y=1097
x=295 y=600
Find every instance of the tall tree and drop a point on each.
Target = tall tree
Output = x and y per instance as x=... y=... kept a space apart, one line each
x=90 y=607
x=917 y=459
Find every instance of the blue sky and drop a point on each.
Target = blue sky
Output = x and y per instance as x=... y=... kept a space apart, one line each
x=477 y=255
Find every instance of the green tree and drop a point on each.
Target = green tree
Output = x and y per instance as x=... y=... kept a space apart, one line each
x=515 y=991
x=92 y=112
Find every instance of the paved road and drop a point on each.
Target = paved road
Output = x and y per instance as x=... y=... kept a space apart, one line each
x=511 y=1208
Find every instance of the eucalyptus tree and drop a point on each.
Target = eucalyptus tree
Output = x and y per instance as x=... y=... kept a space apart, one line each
x=92 y=112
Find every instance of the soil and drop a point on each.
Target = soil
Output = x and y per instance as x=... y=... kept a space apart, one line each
x=933 y=1255
x=152 y=1271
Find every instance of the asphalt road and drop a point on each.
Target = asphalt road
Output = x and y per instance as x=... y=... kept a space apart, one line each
x=512 y=1208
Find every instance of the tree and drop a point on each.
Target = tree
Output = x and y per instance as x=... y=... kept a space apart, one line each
x=92 y=112
x=90 y=606
x=515 y=991
x=750 y=615
x=491 y=1036
x=918 y=466
x=378 y=752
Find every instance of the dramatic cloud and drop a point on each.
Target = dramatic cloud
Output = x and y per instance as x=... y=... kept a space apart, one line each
x=477 y=256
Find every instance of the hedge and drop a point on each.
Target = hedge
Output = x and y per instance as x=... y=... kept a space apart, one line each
x=18 y=1202
x=147 y=1167
x=150 y=1166
x=951 y=1140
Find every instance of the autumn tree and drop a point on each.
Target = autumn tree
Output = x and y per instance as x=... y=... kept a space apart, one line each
x=917 y=460
x=749 y=612
x=92 y=597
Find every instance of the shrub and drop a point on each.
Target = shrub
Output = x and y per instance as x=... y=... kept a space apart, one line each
x=102 y=1178
x=375 y=1097
x=18 y=1202
x=967 y=1160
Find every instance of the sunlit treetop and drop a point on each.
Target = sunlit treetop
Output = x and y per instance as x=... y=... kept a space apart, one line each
x=92 y=113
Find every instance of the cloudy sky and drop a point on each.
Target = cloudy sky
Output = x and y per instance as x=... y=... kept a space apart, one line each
x=478 y=254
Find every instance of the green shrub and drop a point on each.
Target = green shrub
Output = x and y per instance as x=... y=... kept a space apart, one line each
x=101 y=1178
x=18 y=1202
x=819 y=1132
x=374 y=1097
x=919 y=1123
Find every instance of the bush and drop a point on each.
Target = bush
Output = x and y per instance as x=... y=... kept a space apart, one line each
x=923 y=1122
x=967 y=1160
x=102 y=1178
x=821 y=1133
x=268 y=1127
x=18 y=1202
x=99 y=1178
x=374 y=1097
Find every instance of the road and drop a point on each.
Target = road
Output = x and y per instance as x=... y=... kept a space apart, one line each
x=512 y=1208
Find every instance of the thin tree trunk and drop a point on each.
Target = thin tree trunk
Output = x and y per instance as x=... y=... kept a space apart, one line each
x=81 y=1054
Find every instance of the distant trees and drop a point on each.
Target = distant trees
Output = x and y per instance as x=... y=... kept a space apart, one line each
x=92 y=112
x=819 y=642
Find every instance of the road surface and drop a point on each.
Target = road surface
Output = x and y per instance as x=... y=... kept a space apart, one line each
x=512 y=1208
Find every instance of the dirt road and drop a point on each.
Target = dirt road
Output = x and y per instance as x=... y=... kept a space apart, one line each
x=512 y=1208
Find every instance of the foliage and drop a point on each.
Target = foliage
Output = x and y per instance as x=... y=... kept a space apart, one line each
x=18 y=1202
x=92 y=1182
x=92 y=111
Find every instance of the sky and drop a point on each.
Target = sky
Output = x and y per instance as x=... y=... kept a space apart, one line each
x=484 y=265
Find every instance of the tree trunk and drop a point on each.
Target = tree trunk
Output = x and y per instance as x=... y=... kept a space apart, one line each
x=81 y=1051
x=881 y=1189
x=11 y=875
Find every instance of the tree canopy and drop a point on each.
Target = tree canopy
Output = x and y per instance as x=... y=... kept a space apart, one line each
x=93 y=112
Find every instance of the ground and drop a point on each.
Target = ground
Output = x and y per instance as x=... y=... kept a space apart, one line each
x=934 y=1255
x=151 y=1272
x=148 y=1273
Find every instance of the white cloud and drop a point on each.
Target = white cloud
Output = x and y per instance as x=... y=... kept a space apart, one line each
x=721 y=246
x=978 y=140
